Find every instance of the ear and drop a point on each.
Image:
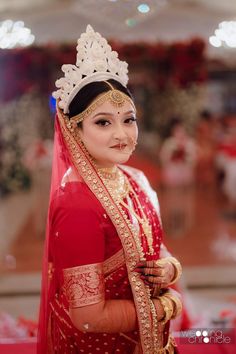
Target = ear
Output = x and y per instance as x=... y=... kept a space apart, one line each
x=74 y=125
x=79 y=131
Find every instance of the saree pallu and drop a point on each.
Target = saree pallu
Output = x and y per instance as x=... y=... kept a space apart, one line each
x=102 y=242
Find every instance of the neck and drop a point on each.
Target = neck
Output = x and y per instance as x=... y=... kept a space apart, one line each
x=110 y=172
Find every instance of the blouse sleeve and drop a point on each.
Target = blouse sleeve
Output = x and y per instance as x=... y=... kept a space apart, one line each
x=76 y=230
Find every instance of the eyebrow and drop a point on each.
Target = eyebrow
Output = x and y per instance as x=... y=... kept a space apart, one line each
x=110 y=114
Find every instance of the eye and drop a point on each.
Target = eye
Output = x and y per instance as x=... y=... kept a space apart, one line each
x=103 y=122
x=130 y=120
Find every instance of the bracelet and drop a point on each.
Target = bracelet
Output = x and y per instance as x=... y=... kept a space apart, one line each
x=168 y=308
x=178 y=269
x=177 y=304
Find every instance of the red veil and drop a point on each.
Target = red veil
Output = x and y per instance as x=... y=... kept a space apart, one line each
x=72 y=163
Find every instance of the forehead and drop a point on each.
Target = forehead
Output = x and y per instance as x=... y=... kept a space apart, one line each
x=109 y=107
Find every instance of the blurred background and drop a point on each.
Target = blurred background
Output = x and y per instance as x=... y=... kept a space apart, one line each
x=182 y=65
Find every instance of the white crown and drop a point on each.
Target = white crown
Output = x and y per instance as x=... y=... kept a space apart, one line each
x=95 y=62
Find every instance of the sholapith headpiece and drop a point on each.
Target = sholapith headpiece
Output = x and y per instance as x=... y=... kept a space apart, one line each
x=95 y=62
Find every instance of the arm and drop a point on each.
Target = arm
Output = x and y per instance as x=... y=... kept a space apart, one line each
x=111 y=316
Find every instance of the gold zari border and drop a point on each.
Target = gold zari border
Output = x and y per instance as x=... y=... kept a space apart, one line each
x=84 y=285
x=114 y=262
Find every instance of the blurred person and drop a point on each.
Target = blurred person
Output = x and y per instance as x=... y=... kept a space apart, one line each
x=38 y=160
x=226 y=161
x=205 y=171
x=178 y=157
x=107 y=274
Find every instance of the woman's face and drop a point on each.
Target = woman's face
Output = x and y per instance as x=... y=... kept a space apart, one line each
x=110 y=133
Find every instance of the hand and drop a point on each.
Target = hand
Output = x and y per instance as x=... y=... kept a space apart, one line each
x=176 y=299
x=158 y=273
x=159 y=309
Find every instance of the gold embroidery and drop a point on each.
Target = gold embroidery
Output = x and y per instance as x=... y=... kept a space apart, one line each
x=114 y=262
x=126 y=232
x=84 y=285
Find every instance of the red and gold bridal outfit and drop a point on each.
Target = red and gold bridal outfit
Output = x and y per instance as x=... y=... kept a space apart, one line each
x=93 y=246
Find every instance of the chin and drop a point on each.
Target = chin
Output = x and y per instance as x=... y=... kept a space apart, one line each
x=122 y=160
x=113 y=160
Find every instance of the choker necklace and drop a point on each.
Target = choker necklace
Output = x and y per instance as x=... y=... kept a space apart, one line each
x=115 y=181
x=108 y=173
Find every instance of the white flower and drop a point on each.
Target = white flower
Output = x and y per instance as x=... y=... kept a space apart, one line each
x=87 y=67
x=100 y=65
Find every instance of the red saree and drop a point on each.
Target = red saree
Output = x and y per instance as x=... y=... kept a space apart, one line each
x=91 y=251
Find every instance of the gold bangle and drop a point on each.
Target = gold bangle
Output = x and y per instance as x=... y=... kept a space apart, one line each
x=176 y=264
x=178 y=269
x=168 y=309
x=177 y=304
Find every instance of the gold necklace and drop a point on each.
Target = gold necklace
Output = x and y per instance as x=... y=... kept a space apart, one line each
x=109 y=173
x=147 y=229
x=115 y=182
x=120 y=188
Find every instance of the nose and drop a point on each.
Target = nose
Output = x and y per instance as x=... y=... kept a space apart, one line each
x=119 y=132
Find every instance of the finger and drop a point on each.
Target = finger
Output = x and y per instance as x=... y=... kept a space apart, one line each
x=163 y=285
x=145 y=270
x=146 y=281
x=160 y=273
x=151 y=264
x=160 y=267
x=152 y=271
x=141 y=264
x=152 y=280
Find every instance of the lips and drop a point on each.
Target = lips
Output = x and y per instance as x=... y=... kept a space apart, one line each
x=119 y=146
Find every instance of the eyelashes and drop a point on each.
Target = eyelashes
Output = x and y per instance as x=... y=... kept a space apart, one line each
x=102 y=122
x=131 y=119
x=105 y=122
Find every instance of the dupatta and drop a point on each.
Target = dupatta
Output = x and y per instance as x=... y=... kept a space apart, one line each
x=72 y=162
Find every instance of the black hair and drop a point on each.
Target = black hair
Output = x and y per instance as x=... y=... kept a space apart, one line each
x=173 y=122
x=89 y=92
x=206 y=115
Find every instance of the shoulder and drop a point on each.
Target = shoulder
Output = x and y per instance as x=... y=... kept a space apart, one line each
x=143 y=183
x=139 y=178
x=136 y=174
x=75 y=197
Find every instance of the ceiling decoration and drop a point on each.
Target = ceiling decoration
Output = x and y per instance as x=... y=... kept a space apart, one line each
x=54 y=21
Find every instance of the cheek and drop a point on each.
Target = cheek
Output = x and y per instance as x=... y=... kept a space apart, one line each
x=135 y=132
x=93 y=138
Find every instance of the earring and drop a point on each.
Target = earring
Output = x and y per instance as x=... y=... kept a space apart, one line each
x=134 y=143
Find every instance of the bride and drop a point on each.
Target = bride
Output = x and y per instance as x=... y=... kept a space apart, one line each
x=107 y=274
